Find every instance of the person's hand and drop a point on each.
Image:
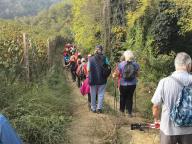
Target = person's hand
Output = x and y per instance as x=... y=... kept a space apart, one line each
x=157 y=124
x=115 y=74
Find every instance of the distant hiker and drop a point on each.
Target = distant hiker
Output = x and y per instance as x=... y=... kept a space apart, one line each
x=66 y=59
x=78 y=65
x=83 y=69
x=73 y=67
x=85 y=81
x=85 y=90
x=127 y=71
x=97 y=78
x=7 y=133
x=174 y=95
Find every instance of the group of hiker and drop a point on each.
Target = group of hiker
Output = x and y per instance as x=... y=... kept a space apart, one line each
x=91 y=73
x=173 y=93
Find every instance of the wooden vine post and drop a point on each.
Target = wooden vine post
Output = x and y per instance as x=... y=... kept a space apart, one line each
x=107 y=27
x=26 y=56
x=48 y=53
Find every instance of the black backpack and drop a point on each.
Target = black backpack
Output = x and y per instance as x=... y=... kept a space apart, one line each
x=129 y=71
x=106 y=69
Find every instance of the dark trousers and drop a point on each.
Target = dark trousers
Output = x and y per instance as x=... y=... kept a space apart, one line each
x=175 y=139
x=78 y=81
x=126 y=98
x=89 y=98
x=73 y=75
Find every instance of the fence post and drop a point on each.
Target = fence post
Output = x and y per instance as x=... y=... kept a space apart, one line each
x=26 y=56
x=48 y=53
x=107 y=27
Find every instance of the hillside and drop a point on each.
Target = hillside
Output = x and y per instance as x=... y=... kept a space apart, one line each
x=16 y=8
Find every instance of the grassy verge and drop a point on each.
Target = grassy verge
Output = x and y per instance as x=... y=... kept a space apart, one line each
x=144 y=92
x=42 y=113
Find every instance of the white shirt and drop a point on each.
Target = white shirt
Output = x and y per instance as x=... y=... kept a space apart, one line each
x=166 y=94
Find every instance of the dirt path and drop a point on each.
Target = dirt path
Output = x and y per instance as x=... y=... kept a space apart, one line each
x=106 y=128
x=88 y=127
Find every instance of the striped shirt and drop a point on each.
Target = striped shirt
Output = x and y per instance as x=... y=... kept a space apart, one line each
x=166 y=94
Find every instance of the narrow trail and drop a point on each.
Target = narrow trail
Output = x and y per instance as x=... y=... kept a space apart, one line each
x=105 y=128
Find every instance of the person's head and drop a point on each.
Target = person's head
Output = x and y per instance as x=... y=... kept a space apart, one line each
x=183 y=62
x=122 y=58
x=129 y=56
x=99 y=49
x=78 y=61
x=72 y=58
x=83 y=60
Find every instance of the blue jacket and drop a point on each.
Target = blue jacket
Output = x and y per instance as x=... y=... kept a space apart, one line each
x=7 y=133
x=95 y=70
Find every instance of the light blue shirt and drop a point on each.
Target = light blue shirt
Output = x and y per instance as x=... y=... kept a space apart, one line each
x=7 y=133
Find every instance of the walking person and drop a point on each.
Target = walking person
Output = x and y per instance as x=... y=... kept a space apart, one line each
x=97 y=80
x=167 y=95
x=127 y=72
x=73 y=67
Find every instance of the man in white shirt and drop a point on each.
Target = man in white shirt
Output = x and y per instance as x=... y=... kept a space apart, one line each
x=166 y=94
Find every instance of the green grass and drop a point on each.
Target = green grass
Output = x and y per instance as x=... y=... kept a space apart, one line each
x=42 y=113
x=144 y=93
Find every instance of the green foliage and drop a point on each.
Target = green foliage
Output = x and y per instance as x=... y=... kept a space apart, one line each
x=41 y=114
x=11 y=47
x=165 y=28
x=10 y=8
x=55 y=21
x=86 y=24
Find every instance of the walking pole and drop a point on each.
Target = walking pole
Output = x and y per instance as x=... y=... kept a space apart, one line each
x=135 y=102
x=115 y=95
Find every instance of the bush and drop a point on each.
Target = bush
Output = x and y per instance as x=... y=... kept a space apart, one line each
x=41 y=115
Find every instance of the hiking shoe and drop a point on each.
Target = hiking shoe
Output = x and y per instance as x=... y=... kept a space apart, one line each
x=130 y=116
x=94 y=111
x=99 y=111
x=89 y=106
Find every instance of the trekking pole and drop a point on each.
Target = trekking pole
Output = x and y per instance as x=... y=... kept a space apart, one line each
x=143 y=126
x=115 y=96
x=135 y=101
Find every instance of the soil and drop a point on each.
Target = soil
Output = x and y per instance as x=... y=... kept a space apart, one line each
x=110 y=127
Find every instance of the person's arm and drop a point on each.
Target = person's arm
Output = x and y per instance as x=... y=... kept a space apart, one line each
x=116 y=72
x=156 y=110
x=88 y=66
x=106 y=61
x=138 y=70
x=157 y=101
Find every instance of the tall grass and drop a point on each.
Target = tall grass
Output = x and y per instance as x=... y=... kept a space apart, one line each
x=41 y=114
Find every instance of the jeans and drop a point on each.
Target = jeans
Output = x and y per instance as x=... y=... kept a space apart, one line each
x=126 y=98
x=100 y=91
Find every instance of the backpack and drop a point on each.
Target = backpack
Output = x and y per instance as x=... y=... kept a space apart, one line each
x=181 y=113
x=82 y=74
x=106 y=69
x=129 y=71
